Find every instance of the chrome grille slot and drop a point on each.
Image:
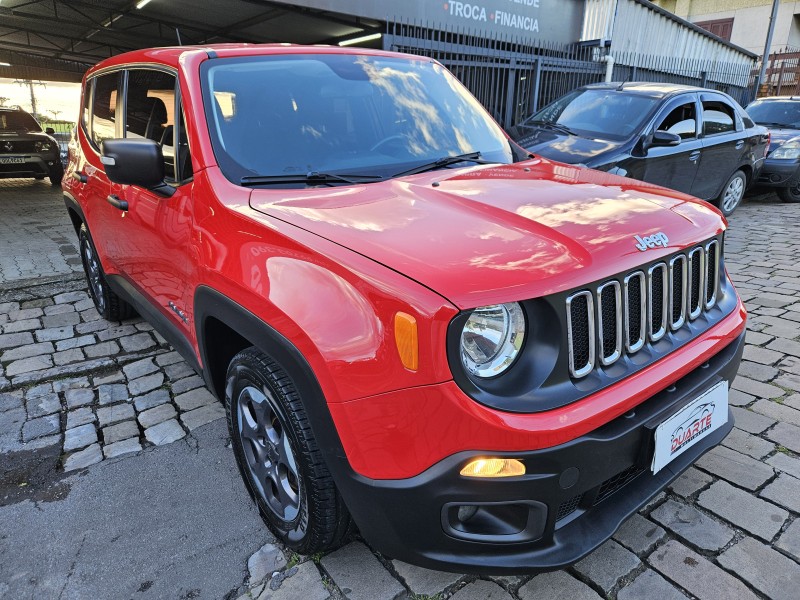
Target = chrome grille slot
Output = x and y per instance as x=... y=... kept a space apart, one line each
x=609 y=322
x=712 y=273
x=580 y=333
x=657 y=301
x=635 y=311
x=696 y=273
x=677 y=292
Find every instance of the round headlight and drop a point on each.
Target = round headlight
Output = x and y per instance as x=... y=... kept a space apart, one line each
x=492 y=338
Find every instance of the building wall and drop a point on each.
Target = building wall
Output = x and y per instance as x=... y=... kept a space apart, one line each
x=750 y=19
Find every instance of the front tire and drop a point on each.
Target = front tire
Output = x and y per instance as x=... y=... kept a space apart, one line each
x=790 y=194
x=56 y=174
x=732 y=193
x=279 y=458
x=110 y=306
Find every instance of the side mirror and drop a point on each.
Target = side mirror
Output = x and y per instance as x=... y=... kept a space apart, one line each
x=665 y=138
x=50 y=131
x=137 y=162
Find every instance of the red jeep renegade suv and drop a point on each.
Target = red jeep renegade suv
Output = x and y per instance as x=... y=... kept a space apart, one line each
x=484 y=360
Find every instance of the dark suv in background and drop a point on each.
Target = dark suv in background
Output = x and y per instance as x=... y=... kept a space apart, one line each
x=690 y=139
x=26 y=150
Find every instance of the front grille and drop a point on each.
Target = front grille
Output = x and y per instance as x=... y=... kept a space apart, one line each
x=568 y=507
x=647 y=305
x=18 y=146
x=618 y=481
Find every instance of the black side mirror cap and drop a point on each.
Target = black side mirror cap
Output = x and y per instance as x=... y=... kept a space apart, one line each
x=665 y=138
x=138 y=162
x=50 y=131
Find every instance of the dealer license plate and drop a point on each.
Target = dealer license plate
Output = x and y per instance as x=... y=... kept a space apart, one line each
x=691 y=424
x=12 y=160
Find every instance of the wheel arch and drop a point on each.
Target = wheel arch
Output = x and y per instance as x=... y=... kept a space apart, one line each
x=74 y=211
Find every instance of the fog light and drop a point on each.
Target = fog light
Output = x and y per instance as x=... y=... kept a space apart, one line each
x=466 y=512
x=493 y=467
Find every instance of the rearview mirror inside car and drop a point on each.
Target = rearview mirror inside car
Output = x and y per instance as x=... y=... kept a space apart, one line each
x=137 y=162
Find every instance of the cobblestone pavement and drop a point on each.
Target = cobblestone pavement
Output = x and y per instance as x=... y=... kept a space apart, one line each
x=88 y=392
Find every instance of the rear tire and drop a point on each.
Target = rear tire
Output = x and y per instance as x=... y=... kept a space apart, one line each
x=110 y=306
x=732 y=193
x=790 y=194
x=56 y=174
x=278 y=456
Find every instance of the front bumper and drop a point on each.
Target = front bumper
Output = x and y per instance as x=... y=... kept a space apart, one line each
x=31 y=165
x=573 y=498
x=779 y=173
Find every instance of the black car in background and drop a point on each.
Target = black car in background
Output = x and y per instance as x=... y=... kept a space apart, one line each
x=690 y=139
x=782 y=167
x=26 y=150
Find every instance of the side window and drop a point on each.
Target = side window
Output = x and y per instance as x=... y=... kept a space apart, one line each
x=104 y=109
x=717 y=118
x=681 y=121
x=150 y=111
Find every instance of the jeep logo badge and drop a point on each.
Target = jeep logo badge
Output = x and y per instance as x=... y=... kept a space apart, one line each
x=651 y=241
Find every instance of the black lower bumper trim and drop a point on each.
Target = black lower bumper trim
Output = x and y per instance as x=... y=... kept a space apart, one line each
x=404 y=519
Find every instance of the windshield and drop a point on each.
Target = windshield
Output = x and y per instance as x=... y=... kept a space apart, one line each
x=601 y=114
x=342 y=114
x=776 y=113
x=18 y=121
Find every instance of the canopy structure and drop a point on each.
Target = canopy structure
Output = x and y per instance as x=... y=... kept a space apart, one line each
x=57 y=40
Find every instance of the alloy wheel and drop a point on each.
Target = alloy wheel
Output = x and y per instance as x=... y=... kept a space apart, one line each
x=733 y=194
x=94 y=275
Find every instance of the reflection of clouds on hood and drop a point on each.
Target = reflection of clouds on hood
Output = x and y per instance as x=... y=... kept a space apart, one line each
x=548 y=262
x=577 y=146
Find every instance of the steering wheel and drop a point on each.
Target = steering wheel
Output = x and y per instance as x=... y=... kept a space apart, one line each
x=388 y=140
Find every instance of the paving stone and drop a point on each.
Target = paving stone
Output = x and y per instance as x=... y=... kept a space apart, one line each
x=79 y=397
x=557 y=585
x=189 y=383
x=639 y=534
x=39 y=406
x=787 y=435
x=112 y=393
x=164 y=433
x=9 y=401
x=59 y=309
x=203 y=415
x=25 y=313
x=735 y=467
x=761 y=355
x=83 y=458
x=36 y=428
x=91 y=327
x=54 y=334
x=71 y=383
x=692 y=525
x=65 y=320
x=80 y=416
x=361 y=577
x=691 y=481
x=509 y=582
x=757 y=516
x=768 y=571
x=649 y=584
x=265 y=561
x=145 y=384
x=119 y=432
x=178 y=371
x=110 y=348
x=148 y=401
x=79 y=437
x=157 y=415
x=27 y=365
x=111 y=333
x=477 y=590
x=11 y=424
x=168 y=358
x=785 y=463
x=27 y=351
x=749 y=444
x=140 y=368
x=135 y=343
x=758 y=339
x=757 y=371
x=18 y=326
x=305 y=582
x=194 y=399
x=756 y=388
x=69 y=297
x=694 y=573
x=68 y=357
x=108 y=415
x=751 y=422
x=7 y=307
x=790 y=540
x=39 y=390
x=122 y=447
x=424 y=581
x=793 y=400
x=117 y=377
x=12 y=340
x=785 y=491
x=785 y=346
x=77 y=342
x=608 y=564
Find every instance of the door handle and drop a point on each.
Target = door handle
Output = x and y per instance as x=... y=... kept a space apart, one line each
x=739 y=144
x=80 y=177
x=117 y=203
x=694 y=156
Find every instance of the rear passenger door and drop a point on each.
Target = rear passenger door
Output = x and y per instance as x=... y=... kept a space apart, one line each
x=723 y=143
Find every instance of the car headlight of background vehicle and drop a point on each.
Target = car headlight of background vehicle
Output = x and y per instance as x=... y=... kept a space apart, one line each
x=43 y=146
x=790 y=149
x=492 y=339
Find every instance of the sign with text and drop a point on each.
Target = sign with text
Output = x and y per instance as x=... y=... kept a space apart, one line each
x=550 y=20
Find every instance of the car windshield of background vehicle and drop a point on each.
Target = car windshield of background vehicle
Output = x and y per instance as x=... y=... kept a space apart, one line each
x=342 y=115
x=600 y=114
x=18 y=121
x=775 y=113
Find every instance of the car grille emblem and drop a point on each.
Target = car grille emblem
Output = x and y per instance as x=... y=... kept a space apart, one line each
x=8 y=146
x=651 y=241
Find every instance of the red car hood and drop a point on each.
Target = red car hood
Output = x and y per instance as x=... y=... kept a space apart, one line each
x=496 y=234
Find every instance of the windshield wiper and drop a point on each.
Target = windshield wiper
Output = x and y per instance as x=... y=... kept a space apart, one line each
x=310 y=178
x=444 y=162
x=776 y=124
x=553 y=125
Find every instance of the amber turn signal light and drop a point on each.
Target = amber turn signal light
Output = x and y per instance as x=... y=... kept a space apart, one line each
x=493 y=467
x=405 y=336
